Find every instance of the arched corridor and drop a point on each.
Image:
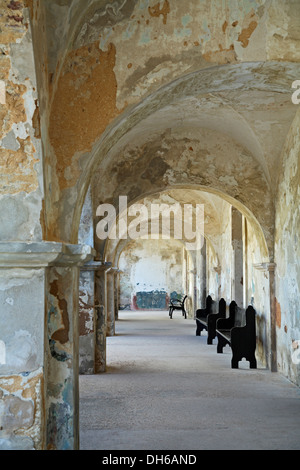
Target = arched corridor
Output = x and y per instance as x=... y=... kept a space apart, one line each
x=125 y=118
x=166 y=389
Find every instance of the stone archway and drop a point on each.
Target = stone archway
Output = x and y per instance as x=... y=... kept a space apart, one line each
x=183 y=104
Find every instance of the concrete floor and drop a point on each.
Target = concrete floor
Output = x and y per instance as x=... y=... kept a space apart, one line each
x=166 y=389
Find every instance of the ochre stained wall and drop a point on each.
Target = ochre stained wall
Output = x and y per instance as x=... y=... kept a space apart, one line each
x=21 y=181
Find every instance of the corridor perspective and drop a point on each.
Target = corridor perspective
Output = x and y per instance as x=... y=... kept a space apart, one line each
x=166 y=389
x=149 y=151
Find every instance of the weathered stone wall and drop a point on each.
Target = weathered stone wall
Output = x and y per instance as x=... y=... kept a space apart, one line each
x=287 y=255
x=225 y=254
x=141 y=96
x=257 y=291
x=22 y=284
x=86 y=321
x=21 y=373
x=129 y=50
x=21 y=166
x=213 y=272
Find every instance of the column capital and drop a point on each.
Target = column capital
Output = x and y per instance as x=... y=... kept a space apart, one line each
x=43 y=254
x=270 y=267
x=95 y=266
x=113 y=270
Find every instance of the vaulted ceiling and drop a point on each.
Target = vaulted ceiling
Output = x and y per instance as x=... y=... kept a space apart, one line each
x=140 y=97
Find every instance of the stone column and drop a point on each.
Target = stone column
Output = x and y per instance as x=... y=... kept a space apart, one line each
x=117 y=293
x=86 y=321
x=202 y=276
x=194 y=281
x=62 y=348
x=110 y=285
x=218 y=271
x=101 y=317
x=87 y=317
x=269 y=270
x=193 y=292
x=39 y=329
x=273 y=336
x=237 y=290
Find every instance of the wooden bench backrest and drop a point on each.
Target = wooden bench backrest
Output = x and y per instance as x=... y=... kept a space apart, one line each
x=245 y=317
x=250 y=318
x=240 y=316
x=208 y=303
x=216 y=307
x=222 y=307
x=232 y=310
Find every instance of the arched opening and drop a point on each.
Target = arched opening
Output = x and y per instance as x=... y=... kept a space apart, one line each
x=193 y=141
x=225 y=267
x=196 y=108
x=155 y=101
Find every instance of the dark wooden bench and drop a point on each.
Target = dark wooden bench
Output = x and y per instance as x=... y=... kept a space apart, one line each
x=177 y=304
x=207 y=317
x=201 y=315
x=239 y=331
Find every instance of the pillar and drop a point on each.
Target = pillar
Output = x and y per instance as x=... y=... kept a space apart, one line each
x=87 y=317
x=271 y=347
x=100 y=317
x=61 y=371
x=39 y=377
x=237 y=257
x=117 y=293
x=246 y=263
x=86 y=321
x=273 y=336
x=110 y=284
x=202 y=275
x=184 y=272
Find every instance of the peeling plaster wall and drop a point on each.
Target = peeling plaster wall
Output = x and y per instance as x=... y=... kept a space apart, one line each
x=257 y=292
x=225 y=255
x=86 y=227
x=131 y=49
x=287 y=255
x=150 y=266
x=86 y=322
x=21 y=187
x=62 y=361
x=212 y=272
x=86 y=294
x=237 y=280
x=21 y=375
x=39 y=332
x=96 y=61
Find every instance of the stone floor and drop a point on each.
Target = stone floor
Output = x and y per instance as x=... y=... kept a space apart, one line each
x=166 y=389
